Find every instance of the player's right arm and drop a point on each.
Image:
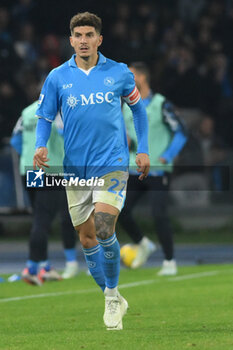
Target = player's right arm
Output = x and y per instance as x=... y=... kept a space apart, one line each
x=132 y=97
x=48 y=107
x=43 y=131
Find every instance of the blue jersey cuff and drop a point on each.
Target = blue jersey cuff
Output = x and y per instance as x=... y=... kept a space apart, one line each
x=141 y=126
x=43 y=131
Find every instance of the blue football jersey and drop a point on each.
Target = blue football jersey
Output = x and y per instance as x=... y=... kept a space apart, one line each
x=95 y=139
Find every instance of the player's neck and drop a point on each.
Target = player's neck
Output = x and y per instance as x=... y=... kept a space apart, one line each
x=86 y=62
x=145 y=91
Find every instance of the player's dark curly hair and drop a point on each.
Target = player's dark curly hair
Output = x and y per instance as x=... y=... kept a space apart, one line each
x=86 y=19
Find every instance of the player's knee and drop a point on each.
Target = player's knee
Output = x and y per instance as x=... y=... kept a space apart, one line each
x=104 y=224
x=103 y=234
x=86 y=241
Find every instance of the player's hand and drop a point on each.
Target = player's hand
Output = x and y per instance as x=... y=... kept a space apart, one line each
x=143 y=163
x=40 y=158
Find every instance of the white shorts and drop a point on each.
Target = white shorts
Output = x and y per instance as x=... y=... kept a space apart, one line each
x=81 y=200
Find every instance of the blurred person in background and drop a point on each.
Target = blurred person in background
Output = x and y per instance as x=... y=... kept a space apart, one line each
x=11 y=98
x=25 y=45
x=190 y=10
x=167 y=137
x=219 y=77
x=51 y=50
x=181 y=81
x=22 y=10
x=5 y=35
x=45 y=204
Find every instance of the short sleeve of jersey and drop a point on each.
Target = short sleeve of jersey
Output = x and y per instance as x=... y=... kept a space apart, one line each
x=128 y=81
x=48 y=104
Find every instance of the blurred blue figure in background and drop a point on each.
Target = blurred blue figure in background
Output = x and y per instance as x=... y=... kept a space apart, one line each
x=46 y=204
x=166 y=138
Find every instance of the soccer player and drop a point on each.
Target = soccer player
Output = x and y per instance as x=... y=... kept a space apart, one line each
x=87 y=90
x=167 y=136
x=46 y=204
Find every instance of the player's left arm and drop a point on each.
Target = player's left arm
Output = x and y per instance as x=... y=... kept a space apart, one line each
x=173 y=122
x=134 y=101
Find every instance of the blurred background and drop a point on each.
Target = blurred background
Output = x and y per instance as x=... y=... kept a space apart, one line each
x=188 y=45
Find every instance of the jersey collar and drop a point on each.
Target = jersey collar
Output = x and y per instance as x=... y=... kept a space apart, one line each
x=101 y=60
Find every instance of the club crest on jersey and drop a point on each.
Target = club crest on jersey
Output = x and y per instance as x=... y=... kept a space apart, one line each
x=109 y=81
x=72 y=101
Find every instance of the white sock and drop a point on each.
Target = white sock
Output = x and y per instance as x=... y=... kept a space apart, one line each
x=111 y=292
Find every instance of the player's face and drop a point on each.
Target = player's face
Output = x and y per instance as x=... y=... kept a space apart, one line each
x=85 y=41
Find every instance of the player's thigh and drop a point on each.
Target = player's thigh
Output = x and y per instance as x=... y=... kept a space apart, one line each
x=80 y=204
x=105 y=220
x=113 y=192
x=106 y=211
x=109 y=201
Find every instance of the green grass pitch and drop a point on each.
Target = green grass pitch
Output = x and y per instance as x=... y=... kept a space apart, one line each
x=193 y=310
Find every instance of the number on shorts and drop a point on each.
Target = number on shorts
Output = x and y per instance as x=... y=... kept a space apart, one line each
x=111 y=189
x=122 y=189
x=116 y=184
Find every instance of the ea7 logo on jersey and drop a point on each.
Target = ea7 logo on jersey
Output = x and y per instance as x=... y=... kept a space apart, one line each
x=92 y=99
x=67 y=86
